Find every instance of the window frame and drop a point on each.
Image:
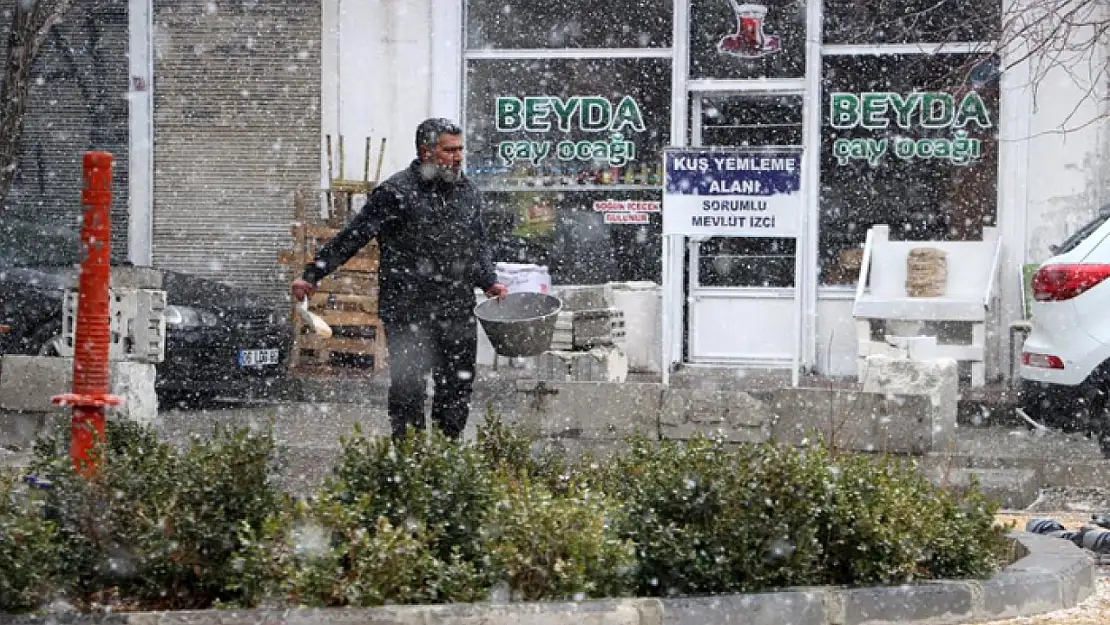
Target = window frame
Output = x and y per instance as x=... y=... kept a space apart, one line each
x=569 y=51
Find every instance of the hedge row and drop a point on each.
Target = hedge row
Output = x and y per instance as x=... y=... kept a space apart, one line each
x=428 y=520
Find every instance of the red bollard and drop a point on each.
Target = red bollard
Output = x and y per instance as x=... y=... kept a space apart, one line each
x=94 y=333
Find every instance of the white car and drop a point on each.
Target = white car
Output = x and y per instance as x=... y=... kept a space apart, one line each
x=1065 y=361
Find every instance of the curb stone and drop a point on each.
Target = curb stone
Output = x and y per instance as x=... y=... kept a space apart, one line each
x=605 y=612
x=1051 y=574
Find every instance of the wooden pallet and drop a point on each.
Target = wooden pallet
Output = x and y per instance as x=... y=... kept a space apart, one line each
x=357 y=341
x=307 y=240
x=347 y=300
x=344 y=302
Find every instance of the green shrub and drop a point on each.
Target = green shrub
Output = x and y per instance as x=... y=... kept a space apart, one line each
x=708 y=518
x=876 y=530
x=547 y=546
x=429 y=520
x=157 y=526
x=965 y=541
x=321 y=554
x=424 y=479
x=888 y=524
x=513 y=450
x=29 y=553
x=505 y=447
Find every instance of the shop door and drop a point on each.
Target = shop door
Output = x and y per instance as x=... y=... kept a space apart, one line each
x=741 y=292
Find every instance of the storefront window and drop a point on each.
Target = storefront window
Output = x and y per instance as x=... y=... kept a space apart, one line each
x=567 y=122
x=528 y=24
x=868 y=22
x=571 y=234
x=910 y=141
x=733 y=39
x=569 y=152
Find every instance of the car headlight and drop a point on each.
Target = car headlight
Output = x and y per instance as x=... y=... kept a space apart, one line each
x=186 y=317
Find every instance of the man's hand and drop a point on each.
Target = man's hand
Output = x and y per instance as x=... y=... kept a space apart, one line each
x=497 y=291
x=302 y=289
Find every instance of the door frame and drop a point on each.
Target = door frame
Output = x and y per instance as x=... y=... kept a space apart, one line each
x=692 y=288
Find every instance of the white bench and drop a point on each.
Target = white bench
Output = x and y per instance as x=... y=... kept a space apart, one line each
x=970 y=298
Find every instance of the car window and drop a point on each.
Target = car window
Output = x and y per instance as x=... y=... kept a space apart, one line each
x=1080 y=235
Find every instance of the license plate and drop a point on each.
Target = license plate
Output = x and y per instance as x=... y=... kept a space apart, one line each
x=257 y=357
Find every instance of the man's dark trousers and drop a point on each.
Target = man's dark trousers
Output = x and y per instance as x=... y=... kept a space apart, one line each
x=447 y=347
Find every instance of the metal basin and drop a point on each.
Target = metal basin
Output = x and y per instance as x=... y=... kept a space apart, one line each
x=521 y=325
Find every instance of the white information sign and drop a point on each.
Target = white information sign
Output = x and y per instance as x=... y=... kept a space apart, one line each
x=734 y=192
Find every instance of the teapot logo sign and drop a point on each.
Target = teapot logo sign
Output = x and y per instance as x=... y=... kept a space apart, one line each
x=749 y=41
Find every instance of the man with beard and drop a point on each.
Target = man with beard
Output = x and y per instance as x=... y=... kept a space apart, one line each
x=428 y=222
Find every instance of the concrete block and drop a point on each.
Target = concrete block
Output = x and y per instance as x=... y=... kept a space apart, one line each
x=18 y=430
x=944 y=602
x=584 y=297
x=1012 y=594
x=936 y=379
x=1014 y=489
x=134 y=382
x=138 y=320
x=587 y=409
x=1076 y=574
x=735 y=415
x=1040 y=544
x=853 y=420
x=28 y=384
x=578 y=447
x=796 y=608
x=1076 y=473
x=135 y=278
x=583 y=329
x=600 y=364
x=643 y=324
x=122 y=277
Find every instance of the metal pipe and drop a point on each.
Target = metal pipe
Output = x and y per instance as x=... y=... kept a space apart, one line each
x=93 y=336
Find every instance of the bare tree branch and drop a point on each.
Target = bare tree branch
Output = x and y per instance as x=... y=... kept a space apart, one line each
x=32 y=21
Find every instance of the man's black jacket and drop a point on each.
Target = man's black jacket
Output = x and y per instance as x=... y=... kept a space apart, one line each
x=433 y=241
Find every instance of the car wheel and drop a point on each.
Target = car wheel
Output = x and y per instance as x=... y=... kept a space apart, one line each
x=47 y=339
x=1103 y=435
x=1099 y=426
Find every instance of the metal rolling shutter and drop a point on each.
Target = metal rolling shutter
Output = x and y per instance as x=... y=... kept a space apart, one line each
x=78 y=102
x=236 y=131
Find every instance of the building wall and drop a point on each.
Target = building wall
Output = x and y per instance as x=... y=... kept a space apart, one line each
x=400 y=67
x=236 y=126
x=78 y=102
x=388 y=64
x=1066 y=144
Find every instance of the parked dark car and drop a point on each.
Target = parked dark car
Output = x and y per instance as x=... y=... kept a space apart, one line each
x=221 y=341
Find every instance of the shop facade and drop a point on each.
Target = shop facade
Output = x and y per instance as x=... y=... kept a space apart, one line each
x=910 y=114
